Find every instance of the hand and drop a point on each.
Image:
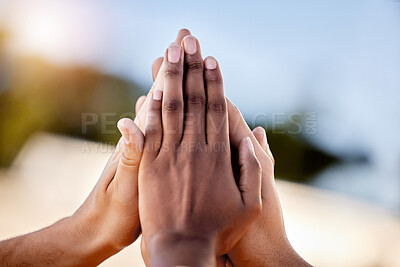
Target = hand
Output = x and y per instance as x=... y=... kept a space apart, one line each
x=112 y=207
x=106 y=222
x=110 y=214
x=265 y=242
x=266 y=239
x=188 y=194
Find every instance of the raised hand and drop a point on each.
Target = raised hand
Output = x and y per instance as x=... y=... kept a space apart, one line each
x=191 y=208
x=265 y=242
x=107 y=221
x=111 y=212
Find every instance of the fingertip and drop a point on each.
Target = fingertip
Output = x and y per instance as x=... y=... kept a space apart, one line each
x=185 y=31
x=122 y=128
x=190 y=44
x=181 y=34
x=174 y=53
x=260 y=135
x=129 y=130
x=259 y=130
x=156 y=66
x=139 y=103
x=210 y=63
x=213 y=76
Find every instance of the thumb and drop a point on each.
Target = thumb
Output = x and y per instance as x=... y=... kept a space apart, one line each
x=261 y=136
x=131 y=149
x=250 y=175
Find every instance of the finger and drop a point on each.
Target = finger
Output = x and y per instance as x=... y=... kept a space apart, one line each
x=139 y=103
x=173 y=105
x=195 y=96
x=131 y=152
x=181 y=34
x=111 y=167
x=158 y=62
x=238 y=129
x=158 y=82
x=153 y=130
x=156 y=67
x=217 y=116
x=261 y=136
x=250 y=176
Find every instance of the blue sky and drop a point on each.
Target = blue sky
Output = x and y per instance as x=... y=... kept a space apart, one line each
x=340 y=59
x=332 y=57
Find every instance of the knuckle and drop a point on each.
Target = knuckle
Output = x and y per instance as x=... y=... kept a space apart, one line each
x=127 y=159
x=214 y=78
x=173 y=72
x=196 y=100
x=194 y=65
x=152 y=130
x=173 y=105
x=217 y=106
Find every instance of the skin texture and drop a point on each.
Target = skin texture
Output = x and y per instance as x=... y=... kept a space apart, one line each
x=265 y=242
x=189 y=216
x=101 y=228
x=106 y=222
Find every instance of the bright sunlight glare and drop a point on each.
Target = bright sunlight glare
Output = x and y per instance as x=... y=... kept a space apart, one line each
x=41 y=30
x=46 y=34
x=62 y=31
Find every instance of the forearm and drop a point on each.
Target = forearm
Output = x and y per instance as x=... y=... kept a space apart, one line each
x=64 y=243
x=173 y=250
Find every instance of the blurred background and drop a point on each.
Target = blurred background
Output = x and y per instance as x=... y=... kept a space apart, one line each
x=321 y=76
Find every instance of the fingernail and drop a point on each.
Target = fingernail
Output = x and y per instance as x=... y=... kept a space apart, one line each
x=250 y=145
x=210 y=63
x=157 y=94
x=190 y=45
x=174 y=53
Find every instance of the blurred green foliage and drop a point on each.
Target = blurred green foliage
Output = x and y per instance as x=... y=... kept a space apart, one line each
x=38 y=96
x=295 y=158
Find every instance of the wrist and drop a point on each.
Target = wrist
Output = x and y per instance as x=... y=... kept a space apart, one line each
x=179 y=249
x=85 y=240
